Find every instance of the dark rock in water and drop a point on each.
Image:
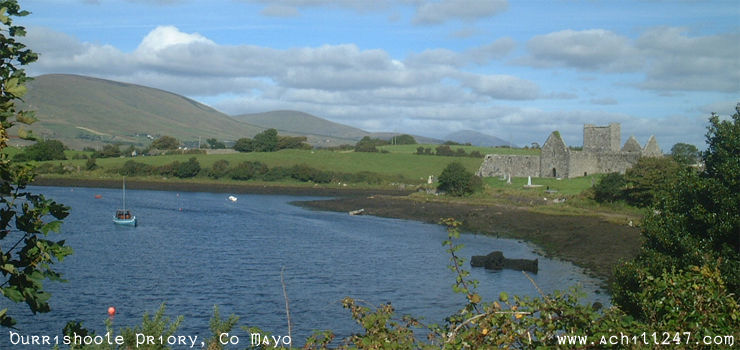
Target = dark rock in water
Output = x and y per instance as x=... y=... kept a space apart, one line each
x=496 y=261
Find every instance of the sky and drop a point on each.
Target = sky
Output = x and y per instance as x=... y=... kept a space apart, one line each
x=517 y=70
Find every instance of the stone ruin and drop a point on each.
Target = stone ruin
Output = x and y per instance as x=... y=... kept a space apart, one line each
x=600 y=154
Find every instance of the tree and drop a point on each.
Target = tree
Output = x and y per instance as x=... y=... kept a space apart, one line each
x=43 y=150
x=215 y=144
x=244 y=145
x=404 y=139
x=165 y=143
x=293 y=142
x=108 y=151
x=694 y=224
x=26 y=256
x=367 y=144
x=266 y=141
x=684 y=153
x=610 y=188
x=457 y=181
x=647 y=180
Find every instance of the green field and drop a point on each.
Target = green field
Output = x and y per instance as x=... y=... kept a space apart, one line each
x=562 y=186
x=410 y=149
x=409 y=166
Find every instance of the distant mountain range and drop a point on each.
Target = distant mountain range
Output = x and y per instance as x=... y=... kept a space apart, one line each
x=476 y=138
x=84 y=111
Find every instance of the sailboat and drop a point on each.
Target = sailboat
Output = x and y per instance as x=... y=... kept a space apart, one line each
x=123 y=216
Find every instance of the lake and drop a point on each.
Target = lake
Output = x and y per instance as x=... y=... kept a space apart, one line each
x=196 y=250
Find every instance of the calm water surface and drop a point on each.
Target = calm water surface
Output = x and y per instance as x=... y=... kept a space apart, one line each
x=196 y=250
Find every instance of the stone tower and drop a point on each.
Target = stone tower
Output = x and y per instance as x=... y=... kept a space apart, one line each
x=601 y=139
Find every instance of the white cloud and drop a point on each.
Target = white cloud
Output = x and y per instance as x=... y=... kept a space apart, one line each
x=594 y=49
x=505 y=87
x=428 y=93
x=680 y=62
x=164 y=37
x=435 y=12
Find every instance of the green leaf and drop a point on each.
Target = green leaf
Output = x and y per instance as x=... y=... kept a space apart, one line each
x=12 y=293
x=503 y=296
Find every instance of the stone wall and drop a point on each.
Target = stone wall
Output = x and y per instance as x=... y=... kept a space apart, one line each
x=617 y=162
x=599 y=139
x=582 y=164
x=554 y=157
x=516 y=165
x=601 y=154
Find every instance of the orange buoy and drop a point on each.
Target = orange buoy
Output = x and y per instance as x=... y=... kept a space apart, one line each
x=111 y=311
x=97 y=196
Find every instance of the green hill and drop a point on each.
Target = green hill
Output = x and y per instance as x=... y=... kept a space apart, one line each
x=82 y=111
x=301 y=123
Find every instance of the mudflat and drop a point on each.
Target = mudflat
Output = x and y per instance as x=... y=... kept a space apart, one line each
x=589 y=242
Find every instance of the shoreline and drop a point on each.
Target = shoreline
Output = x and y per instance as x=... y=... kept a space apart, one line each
x=217 y=188
x=589 y=242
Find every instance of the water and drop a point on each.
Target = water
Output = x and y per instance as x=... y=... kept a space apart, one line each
x=196 y=250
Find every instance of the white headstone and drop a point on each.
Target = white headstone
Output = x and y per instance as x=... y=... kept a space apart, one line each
x=529 y=181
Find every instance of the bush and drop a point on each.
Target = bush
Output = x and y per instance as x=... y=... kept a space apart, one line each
x=133 y=168
x=187 y=169
x=276 y=173
x=368 y=144
x=457 y=181
x=108 y=151
x=444 y=150
x=90 y=164
x=244 y=145
x=648 y=178
x=219 y=169
x=610 y=188
x=248 y=170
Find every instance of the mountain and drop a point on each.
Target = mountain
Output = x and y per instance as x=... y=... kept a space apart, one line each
x=419 y=139
x=476 y=138
x=300 y=123
x=83 y=111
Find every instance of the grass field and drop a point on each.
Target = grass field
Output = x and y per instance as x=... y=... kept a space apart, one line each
x=561 y=186
x=410 y=166
x=410 y=149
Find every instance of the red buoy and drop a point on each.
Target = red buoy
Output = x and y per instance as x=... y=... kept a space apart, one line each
x=97 y=196
x=111 y=311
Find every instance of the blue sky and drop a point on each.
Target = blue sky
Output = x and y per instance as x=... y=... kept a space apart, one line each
x=514 y=69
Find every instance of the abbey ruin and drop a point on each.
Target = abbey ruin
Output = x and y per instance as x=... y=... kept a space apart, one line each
x=600 y=154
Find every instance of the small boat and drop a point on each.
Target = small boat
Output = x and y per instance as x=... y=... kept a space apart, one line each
x=123 y=216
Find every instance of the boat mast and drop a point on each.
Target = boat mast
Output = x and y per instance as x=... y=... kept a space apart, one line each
x=124 y=195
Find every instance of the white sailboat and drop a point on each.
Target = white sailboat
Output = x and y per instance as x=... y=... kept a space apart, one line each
x=124 y=216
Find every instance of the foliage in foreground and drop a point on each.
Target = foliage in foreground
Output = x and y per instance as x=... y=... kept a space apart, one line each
x=27 y=256
x=697 y=223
